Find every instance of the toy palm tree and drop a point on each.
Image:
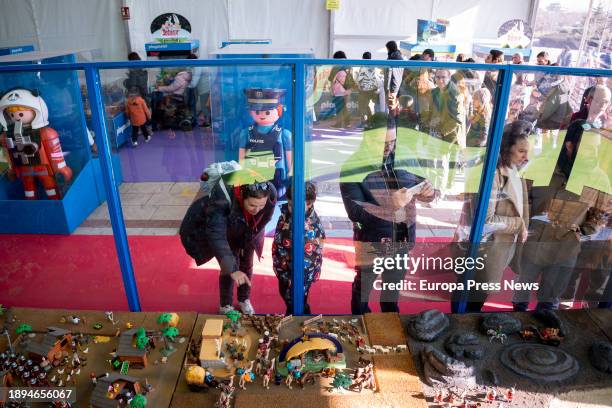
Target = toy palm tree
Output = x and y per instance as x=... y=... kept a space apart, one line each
x=234 y=316
x=139 y=401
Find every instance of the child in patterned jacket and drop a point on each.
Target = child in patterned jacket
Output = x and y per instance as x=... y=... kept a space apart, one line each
x=313 y=247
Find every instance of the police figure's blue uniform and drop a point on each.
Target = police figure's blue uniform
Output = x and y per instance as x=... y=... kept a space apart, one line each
x=273 y=139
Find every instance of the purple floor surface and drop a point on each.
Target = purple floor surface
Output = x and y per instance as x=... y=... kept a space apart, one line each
x=169 y=156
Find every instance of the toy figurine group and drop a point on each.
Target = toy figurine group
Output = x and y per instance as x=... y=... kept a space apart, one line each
x=447 y=398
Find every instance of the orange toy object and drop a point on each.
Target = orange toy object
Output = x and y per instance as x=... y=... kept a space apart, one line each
x=31 y=146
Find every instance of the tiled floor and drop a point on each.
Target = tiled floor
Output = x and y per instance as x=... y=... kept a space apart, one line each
x=148 y=209
x=158 y=209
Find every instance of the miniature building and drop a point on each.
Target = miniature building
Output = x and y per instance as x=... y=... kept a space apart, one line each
x=55 y=341
x=213 y=329
x=210 y=350
x=101 y=397
x=127 y=350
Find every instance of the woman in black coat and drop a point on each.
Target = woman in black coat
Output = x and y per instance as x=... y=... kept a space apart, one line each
x=231 y=231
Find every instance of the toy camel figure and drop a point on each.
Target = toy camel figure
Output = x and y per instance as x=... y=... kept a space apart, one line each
x=267 y=375
x=225 y=397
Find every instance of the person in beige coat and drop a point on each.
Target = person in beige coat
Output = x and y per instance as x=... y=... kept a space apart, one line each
x=507 y=214
x=564 y=220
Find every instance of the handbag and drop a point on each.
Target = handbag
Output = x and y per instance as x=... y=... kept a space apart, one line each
x=556 y=240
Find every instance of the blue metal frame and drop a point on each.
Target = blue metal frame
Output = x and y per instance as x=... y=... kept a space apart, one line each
x=98 y=119
x=298 y=193
x=502 y=94
x=505 y=72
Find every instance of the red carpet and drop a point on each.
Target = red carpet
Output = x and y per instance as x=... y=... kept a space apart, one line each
x=82 y=272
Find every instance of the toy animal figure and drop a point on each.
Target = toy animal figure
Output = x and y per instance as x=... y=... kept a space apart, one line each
x=227 y=391
x=497 y=335
x=32 y=148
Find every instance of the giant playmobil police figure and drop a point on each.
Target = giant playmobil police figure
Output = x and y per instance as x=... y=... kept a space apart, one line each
x=265 y=142
x=33 y=148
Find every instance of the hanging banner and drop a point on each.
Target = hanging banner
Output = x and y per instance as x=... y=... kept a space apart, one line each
x=514 y=34
x=171 y=28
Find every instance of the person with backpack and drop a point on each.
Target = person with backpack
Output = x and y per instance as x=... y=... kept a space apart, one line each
x=342 y=82
x=137 y=77
x=228 y=224
x=367 y=82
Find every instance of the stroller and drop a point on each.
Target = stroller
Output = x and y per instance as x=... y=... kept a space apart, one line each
x=172 y=111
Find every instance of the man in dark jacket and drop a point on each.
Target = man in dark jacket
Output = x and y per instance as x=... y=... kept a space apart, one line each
x=381 y=204
x=393 y=76
x=231 y=231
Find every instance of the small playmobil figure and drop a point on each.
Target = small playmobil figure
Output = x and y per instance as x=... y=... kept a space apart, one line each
x=267 y=375
x=137 y=110
x=32 y=148
x=313 y=247
x=510 y=394
x=550 y=336
x=245 y=375
x=491 y=395
x=278 y=379
x=266 y=142
x=497 y=334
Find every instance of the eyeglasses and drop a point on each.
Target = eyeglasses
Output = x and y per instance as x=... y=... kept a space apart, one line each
x=257 y=186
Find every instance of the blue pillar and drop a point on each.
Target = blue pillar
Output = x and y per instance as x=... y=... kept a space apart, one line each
x=502 y=94
x=98 y=118
x=299 y=201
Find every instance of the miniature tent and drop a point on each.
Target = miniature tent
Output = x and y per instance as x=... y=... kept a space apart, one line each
x=314 y=341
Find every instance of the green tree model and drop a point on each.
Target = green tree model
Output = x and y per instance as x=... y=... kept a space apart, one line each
x=164 y=318
x=23 y=328
x=139 y=401
x=142 y=342
x=169 y=333
x=234 y=316
x=341 y=381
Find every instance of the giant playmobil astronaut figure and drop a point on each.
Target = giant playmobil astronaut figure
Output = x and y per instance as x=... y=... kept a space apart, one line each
x=32 y=148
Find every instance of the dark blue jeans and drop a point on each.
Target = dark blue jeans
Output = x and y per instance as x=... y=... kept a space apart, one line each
x=553 y=279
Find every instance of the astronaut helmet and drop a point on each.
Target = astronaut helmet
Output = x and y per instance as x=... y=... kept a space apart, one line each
x=26 y=98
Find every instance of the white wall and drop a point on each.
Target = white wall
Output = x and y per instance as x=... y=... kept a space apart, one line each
x=396 y=20
x=57 y=25
x=96 y=24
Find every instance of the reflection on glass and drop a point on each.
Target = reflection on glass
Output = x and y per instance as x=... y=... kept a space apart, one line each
x=399 y=197
x=380 y=200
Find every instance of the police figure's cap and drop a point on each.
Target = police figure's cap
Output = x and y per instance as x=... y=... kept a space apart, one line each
x=264 y=98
